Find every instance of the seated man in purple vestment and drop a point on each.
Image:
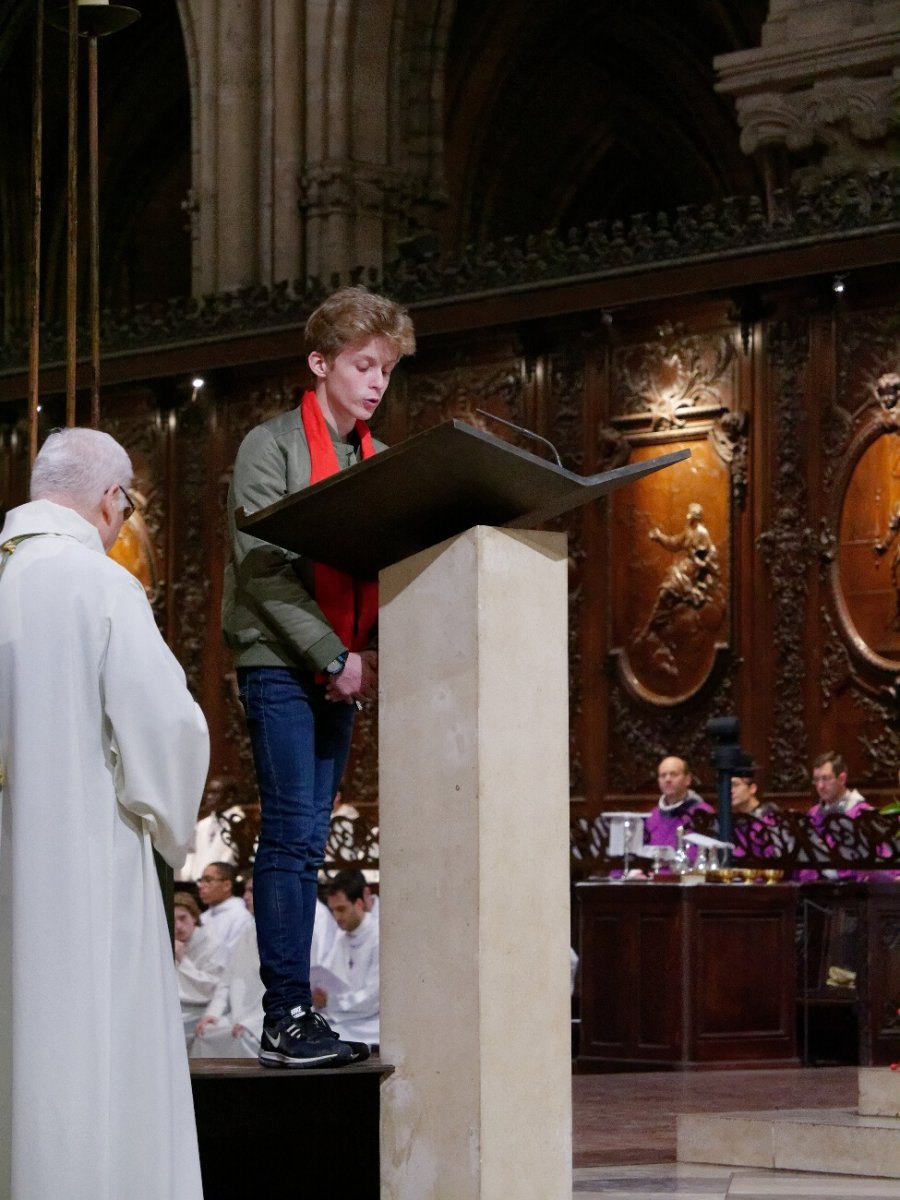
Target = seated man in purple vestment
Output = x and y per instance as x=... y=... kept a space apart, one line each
x=677 y=804
x=745 y=799
x=752 y=836
x=829 y=778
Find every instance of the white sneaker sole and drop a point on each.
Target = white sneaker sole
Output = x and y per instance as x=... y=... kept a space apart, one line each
x=271 y=1058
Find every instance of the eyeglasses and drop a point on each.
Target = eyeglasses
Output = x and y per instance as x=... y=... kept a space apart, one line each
x=211 y=879
x=130 y=505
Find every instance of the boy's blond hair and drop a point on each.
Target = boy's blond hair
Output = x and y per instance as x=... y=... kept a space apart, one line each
x=353 y=315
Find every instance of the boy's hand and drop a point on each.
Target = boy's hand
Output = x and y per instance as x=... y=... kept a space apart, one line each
x=357 y=681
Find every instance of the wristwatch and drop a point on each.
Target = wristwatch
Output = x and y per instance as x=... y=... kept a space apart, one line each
x=337 y=664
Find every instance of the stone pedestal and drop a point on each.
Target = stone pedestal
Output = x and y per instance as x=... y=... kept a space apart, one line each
x=474 y=886
x=879 y=1092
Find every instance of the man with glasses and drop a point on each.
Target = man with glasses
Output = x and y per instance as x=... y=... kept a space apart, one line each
x=226 y=915
x=104 y=755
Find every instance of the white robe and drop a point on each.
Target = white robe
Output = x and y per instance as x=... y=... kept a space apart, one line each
x=354 y=1010
x=105 y=754
x=325 y=930
x=200 y=970
x=207 y=845
x=237 y=1000
x=226 y=922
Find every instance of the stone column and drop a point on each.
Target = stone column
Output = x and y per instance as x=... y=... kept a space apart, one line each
x=474 y=848
x=245 y=62
x=315 y=135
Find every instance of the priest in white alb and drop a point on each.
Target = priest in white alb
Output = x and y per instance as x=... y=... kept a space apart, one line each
x=104 y=754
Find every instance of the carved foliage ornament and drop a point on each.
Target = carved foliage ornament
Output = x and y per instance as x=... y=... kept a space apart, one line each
x=641 y=737
x=835 y=205
x=789 y=547
x=868 y=840
x=729 y=437
x=458 y=392
x=846 y=115
x=672 y=379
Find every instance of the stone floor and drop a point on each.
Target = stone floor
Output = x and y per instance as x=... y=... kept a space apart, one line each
x=624 y=1135
x=664 y=1181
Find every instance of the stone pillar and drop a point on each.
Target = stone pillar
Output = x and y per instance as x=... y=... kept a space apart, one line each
x=822 y=93
x=245 y=62
x=315 y=135
x=354 y=214
x=474 y=849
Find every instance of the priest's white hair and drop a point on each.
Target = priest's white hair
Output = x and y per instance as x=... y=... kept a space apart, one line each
x=79 y=465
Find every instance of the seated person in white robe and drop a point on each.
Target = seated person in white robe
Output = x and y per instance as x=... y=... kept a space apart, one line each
x=226 y=914
x=325 y=930
x=231 y=1025
x=208 y=845
x=199 y=962
x=347 y=991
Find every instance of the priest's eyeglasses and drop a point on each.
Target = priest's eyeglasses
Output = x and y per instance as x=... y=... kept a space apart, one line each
x=130 y=505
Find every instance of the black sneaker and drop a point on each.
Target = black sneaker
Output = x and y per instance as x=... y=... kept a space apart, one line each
x=304 y=1039
x=359 y=1051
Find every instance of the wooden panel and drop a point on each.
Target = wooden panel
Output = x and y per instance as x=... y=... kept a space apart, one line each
x=794 y=438
x=743 y=980
x=659 y=964
x=686 y=977
x=605 y=937
x=883 y=972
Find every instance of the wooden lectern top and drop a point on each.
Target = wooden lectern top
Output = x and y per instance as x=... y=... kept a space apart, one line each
x=431 y=487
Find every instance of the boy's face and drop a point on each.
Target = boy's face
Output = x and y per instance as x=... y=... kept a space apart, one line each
x=350 y=386
x=184 y=924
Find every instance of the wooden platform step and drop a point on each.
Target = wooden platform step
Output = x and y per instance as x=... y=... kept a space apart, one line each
x=259 y=1128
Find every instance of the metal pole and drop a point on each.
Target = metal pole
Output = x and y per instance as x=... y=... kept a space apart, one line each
x=72 y=230
x=729 y=760
x=726 y=826
x=34 y=280
x=91 y=20
x=94 y=211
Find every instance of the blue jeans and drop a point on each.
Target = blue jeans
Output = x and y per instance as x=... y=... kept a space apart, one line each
x=300 y=744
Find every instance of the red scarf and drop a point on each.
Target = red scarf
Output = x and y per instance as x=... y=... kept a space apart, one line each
x=350 y=605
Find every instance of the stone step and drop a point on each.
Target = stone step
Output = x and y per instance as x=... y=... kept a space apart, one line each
x=879 y=1092
x=828 y=1141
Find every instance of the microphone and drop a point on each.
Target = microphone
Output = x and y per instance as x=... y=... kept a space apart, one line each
x=521 y=429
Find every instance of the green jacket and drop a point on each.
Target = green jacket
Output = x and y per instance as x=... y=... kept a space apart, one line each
x=269 y=617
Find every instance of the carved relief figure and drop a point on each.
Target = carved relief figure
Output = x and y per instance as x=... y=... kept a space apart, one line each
x=881 y=547
x=690 y=582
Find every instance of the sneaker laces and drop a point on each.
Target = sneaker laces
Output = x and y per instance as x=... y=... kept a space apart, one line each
x=309 y=1024
x=320 y=1025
